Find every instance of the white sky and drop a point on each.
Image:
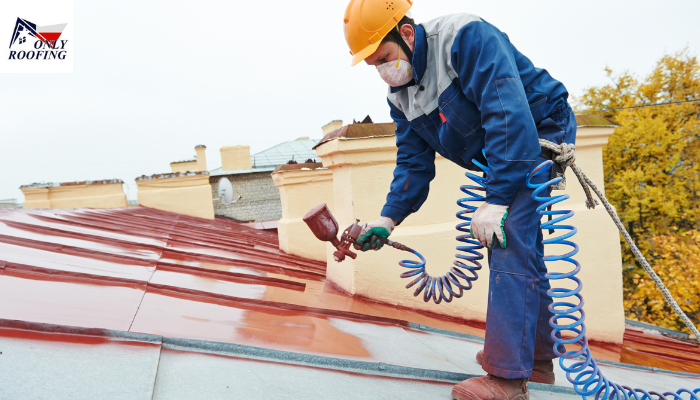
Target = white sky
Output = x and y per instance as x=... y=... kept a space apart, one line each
x=152 y=79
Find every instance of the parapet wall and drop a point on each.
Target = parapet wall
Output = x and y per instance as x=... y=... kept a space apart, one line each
x=182 y=193
x=87 y=194
x=301 y=187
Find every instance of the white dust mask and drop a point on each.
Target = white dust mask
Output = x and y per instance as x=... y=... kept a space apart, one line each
x=396 y=73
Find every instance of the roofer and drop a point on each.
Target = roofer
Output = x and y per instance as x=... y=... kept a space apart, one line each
x=457 y=86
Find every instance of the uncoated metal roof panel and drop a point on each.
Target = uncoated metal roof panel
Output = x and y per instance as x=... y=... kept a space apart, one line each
x=40 y=365
x=184 y=375
x=463 y=354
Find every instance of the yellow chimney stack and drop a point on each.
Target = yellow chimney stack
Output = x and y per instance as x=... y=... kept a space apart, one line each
x=234 y=158
x=331 y=126
x=201 y=157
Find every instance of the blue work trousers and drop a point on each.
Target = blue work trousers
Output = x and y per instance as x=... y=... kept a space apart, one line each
x=517 y=319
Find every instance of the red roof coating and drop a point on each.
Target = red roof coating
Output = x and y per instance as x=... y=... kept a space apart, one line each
x=264 y=225
x=655 y=350
x=143 y=270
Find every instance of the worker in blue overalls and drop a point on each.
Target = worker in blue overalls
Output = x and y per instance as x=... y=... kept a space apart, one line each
x=457 y=86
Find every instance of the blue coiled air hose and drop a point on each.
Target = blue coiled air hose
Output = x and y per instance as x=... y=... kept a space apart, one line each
x=584 y=374
x=464 y=272
x=569 y=318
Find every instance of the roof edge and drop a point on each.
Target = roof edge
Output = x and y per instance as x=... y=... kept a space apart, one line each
x=297 y=167
x=170 y=175
x=591 y=120
x=251 y=352
x=360 y=131
x=651 y=327
x=75 y=183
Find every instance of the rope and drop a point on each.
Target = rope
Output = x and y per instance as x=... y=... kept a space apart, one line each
x=565 y=153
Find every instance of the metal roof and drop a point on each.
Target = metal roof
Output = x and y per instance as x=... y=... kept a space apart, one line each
x=297 y=150
x=144 y=304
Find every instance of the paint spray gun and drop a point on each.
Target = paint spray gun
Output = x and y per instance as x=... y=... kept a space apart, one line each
x=325 y=228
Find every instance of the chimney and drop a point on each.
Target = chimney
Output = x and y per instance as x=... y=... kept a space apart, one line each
x=201 y=157
x=234 y=158
x=331 y=126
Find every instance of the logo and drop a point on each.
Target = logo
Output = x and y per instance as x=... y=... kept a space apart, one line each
x=32 y=42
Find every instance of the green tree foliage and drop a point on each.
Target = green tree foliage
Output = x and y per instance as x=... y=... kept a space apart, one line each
x=652 y=176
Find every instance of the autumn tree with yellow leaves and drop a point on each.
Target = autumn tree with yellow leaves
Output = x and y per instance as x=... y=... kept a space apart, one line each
x=652 y=177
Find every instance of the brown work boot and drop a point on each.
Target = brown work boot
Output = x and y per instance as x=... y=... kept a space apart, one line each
x=542 y=371
x=491 y=387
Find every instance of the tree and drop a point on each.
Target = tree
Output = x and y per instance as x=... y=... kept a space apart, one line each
x=652 y=177
x=677 y=261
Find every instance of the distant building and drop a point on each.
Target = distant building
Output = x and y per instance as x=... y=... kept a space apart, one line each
x=198 y=163
x=9 y=203
x=242 y=189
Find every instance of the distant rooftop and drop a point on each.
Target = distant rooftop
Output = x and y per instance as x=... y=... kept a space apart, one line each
x=298 y=150
x=171 y=175
x=184 y=161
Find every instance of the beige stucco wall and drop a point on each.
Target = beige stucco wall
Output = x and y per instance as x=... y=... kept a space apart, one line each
x=184 y=166
x=109 y=195
x=201 y=157
x=187 y=195
x=234 y=158
x=36 y=198
x=300 y=191
x=362 y=172
x=331 y=126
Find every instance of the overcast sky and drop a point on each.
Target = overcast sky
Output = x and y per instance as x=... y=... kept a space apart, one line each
x=152 y=79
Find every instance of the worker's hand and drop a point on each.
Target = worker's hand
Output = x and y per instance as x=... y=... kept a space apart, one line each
x=369 y=238
x=489 y=221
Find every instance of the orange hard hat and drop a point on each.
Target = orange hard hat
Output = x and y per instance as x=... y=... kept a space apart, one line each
x=368 y=21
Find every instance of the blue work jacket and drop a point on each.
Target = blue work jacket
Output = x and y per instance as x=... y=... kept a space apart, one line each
x=473 y=90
